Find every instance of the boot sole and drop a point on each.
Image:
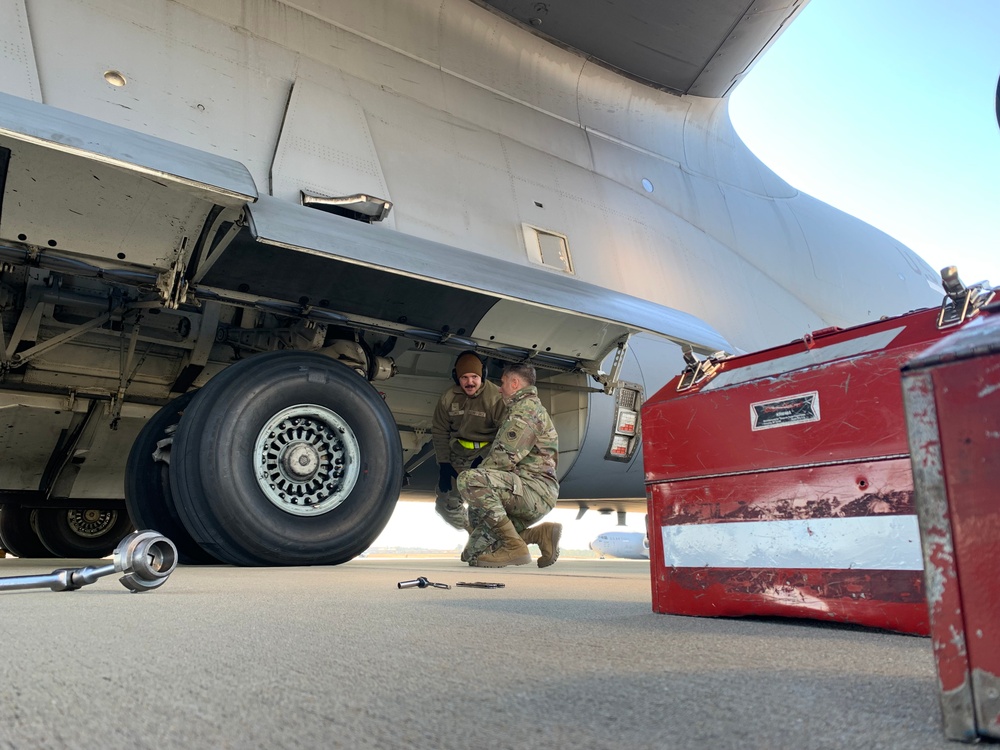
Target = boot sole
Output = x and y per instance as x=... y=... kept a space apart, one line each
x=516 y=561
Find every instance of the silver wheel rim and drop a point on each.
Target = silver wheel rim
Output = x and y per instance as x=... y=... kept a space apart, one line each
x=307 y=460
x=91 y=523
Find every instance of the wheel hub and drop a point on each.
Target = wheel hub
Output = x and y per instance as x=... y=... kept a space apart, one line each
x=300 y=460
x=307 y=460
x=91 y=522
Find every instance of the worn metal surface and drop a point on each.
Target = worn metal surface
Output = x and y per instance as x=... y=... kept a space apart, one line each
x=952 y=395
x=798 y=543
x=851 y=377
x=943 y=598
x=782 y=485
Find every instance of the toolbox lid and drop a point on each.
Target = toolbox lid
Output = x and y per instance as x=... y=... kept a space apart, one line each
x=831 y=399
x=978 y=338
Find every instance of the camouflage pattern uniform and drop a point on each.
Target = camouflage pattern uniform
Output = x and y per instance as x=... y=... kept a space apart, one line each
x=473 y=419
x=518 y=477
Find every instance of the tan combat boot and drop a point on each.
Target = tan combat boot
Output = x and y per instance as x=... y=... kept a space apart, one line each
x=513 y=550
x=546 y=536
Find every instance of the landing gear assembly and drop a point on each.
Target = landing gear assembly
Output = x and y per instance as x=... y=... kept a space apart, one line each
x=17 y=532
x=81 y=532
x=147 y=482
x=284 y=458
x=62 y=532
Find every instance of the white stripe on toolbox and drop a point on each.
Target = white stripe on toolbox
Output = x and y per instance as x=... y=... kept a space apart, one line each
x=865 y=542
x=809 y=358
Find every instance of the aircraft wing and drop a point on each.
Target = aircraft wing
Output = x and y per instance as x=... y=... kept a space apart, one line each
x=702 y=48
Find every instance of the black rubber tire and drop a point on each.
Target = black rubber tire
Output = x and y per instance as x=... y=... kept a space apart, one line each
x=212 y=469
x=82 y=532
x=17 y=534
x=147 y=486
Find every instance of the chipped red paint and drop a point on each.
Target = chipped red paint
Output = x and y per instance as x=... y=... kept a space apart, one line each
x=889 y=599
x=952 y=395
x=813 y=429
x=816 y=492
x=893 y=600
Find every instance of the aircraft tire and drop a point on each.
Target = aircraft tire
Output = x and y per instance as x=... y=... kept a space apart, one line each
x=147 y=486
x=82 y=532
x=286 y=458
x=17 y=533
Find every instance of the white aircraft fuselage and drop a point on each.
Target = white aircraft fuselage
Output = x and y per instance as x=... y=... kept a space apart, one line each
x=628 y=545
x=515 y=197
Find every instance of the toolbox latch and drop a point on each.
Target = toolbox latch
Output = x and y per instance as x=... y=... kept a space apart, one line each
x=961 y=302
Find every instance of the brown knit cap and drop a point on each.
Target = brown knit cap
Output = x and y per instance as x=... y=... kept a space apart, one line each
x=468 y=364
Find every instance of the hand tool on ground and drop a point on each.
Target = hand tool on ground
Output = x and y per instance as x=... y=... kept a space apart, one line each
x=480 y=585
x=421 y=583
x=145 y=557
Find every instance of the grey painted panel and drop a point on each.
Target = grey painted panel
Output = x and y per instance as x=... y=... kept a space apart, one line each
x=295 y=227
x=17 y=55
x=328 y=282
x=685 y=47
x=75 y=134
x=325 y=147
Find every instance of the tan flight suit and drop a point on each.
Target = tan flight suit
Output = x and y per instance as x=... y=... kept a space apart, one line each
x=463 y=429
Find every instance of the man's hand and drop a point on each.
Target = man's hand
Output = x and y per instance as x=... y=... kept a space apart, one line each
x=445 y=473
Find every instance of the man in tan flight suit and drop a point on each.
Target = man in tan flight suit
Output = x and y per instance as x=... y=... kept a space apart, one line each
x=465 y=422
x=516 y=485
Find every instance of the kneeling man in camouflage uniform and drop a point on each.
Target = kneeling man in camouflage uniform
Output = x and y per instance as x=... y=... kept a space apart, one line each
x=516 y=484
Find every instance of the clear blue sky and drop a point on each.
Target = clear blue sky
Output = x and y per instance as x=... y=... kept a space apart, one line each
x=886 y=110
x=882 y=108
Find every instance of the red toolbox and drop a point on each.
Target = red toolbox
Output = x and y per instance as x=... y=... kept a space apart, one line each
x=779 y=482
x=952 y=398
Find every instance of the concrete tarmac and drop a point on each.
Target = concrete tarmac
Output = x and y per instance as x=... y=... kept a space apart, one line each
x=571 y=656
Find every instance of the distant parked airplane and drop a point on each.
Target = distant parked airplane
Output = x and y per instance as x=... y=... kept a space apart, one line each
x=631 y=545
